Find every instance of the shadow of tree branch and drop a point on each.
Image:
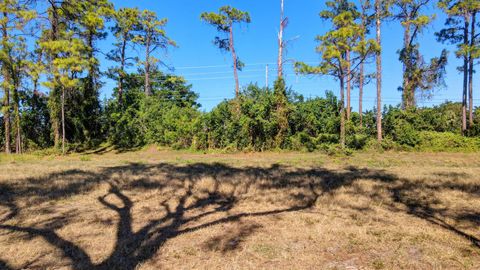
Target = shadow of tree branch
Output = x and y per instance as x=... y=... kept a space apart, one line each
x=132 y=248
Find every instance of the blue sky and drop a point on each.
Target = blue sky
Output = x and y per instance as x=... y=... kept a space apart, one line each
x=210 y=72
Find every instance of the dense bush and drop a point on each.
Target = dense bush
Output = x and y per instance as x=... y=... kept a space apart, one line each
x=316 y=116
x=405 y=126
x=124 y=126
x=248 y=122
x=168 y=117
x=168 y=124
x=475 y=130
x=261 y=119
x=447 y=141
x=258 y=119
x=443 y=118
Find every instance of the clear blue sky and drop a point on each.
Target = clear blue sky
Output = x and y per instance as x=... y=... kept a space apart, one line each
x=210 y=73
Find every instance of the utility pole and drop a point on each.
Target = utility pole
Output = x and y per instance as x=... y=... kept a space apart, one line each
x=281 y=43
x=378 y=24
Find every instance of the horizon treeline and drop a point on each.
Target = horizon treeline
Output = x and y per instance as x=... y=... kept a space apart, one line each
x=51 y=80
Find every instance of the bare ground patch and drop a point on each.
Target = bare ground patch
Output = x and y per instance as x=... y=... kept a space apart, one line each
x=170 y=210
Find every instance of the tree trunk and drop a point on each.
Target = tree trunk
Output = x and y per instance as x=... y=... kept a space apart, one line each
x=362 y=64
x=90 y=93
x=148 y=89
x=234 y=58
x=55 y=125
x=63 y=121
x=407 y=92
x=6 y=117
x=342 y=111
x=465 y=76
x=379 y=70
x=280 y=43
x=122 y=69
x=349 y=85
x=16 y=111
x=6 y=85
x=18 y=132
x=54 y=21
x=360 y=93
x=470 y=73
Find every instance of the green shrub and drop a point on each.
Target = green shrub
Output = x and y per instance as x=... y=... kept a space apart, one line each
x=168 y=117
x=447 y=141
x=357 y=141
x=260 y=119
x=405 y=134
x=388 y=144
x=325 y=138
x=302 y=141
x=51 y=151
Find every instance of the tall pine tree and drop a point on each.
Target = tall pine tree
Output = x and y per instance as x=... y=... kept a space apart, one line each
x=126 y=23
x=70 y=61
x=15 y=15
x=152 y=37
x=334 y=47
x=88 y=19
x=418 y=76
x=224 y=21
x=456 y=31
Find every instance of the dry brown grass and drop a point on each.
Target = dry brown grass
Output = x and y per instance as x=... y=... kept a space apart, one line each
x=170 y=210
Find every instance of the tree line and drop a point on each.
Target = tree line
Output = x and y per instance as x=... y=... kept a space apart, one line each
x=53 y=45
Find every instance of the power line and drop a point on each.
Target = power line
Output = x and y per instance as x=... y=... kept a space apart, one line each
x=218 y=66
x=247 y=65
x=220 y=72
x=223 y=78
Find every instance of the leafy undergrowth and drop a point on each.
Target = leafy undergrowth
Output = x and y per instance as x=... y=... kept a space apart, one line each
x=178 y=210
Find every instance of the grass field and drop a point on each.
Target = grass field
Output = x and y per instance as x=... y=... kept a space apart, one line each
x=177 y=210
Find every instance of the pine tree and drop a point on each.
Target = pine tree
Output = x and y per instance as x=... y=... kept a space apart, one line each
x=460 y=13
x=70 y=61
x=152 y=36
x=52 y=33
x=126 y=23
x=7 y=83
x=417 y=74
x=334 y=46
x=15 y=15
x=224 y=21
x=337 y=8
x=366 y=18
x=36 y=114
x=382 y=8
x=88 y=22
x=35 y=67
x=19 y=72
x=474 y=53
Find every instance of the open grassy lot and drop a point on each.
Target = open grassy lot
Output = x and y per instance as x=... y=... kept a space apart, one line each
x=177 y=210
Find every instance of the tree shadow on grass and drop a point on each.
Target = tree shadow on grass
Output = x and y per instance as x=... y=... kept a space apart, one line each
x=231 y=239
x=4 y=266
x=7 y=201
x=419 y=199
x=204 y=195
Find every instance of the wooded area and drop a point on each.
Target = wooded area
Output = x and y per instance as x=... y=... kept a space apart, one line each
x=100 y=183
x=51 y=81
